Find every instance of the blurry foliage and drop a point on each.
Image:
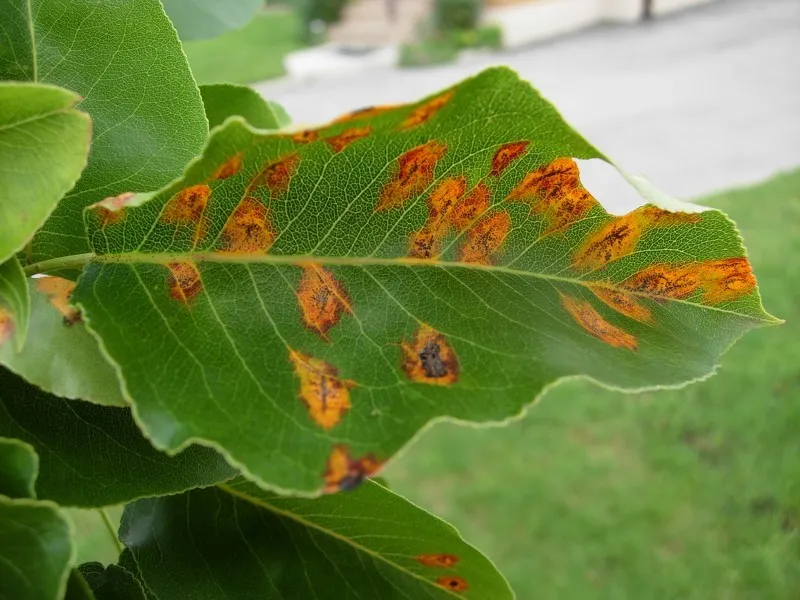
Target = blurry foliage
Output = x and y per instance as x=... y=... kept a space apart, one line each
x=443 y=47
x=457 y=14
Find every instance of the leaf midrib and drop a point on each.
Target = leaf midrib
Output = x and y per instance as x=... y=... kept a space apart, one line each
x=329 y=532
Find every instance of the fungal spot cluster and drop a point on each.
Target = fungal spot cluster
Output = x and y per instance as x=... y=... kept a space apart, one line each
x=111 y=210
x=623 y=303
x=248 y=230
x=59 y=292
x=345 y=473
x=322 y=299
x=453 y=582
x=188 y=208
x=426 y=242
x=326 y=396
x=229 y=168
x=305 y=137
x=444 y=561
x=184 y=281
x=426 y=111
x=367 y=112
x=342 y=140
x=507 y=154
x=414 y=173
x=276 y=175
x=587 y=317
x=429 y=358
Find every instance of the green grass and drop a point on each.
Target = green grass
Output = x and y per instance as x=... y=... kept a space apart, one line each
x=246 y=55
x=690 y=494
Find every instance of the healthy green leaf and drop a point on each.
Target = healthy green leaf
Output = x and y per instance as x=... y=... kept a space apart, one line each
x=125 y=59
x=223 y=100
x=95 y=455
x=35 y=537
x=44 y=142
x=15 y=306
x=238 y=541
x=112 y=582
x=61 y=357
x=201 y=19
x=77 y=587
x=18 y=467
x=127 y=562
x=309 y=302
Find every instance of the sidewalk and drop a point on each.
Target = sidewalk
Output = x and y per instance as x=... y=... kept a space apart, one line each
x=702 y=100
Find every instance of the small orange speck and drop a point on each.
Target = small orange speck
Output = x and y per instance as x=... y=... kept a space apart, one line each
x=485 y=238
x=507 y=154
x=185 y=282
x=326 y=396
x=445 y=561
x=453 y=582
x=305 y=137
x=248 y=230
x=426 y=111
x=429 y=358
x=415 y=171
x=587 y=317
x=230 y=167
x=342 y=140
x=322 y=299
x=344 y=473
x=59 y=292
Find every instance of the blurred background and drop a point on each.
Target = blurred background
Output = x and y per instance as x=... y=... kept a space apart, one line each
x=689 y=494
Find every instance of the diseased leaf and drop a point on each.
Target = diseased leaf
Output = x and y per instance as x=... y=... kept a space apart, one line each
x=339 y=288
x=44 y=142
x=238 y=541
x=95 y=455
x=18 y=468
x=15 y=306
x=223 y=100
x=61 y=357
x=111 y=582
x=125 y=60
x=201 y=19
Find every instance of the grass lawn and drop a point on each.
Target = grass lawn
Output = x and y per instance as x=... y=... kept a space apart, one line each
x=691 y=494
x=246 y=55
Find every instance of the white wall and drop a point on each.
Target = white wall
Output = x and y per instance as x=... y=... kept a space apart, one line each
x=662 y=7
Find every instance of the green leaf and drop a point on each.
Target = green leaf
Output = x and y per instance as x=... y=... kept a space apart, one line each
x=77 y=587
x=61 y=357
x=44 y=142
x=93 y=455
x=308 y=302
x=125 y=60
x=223 y=100
x=112 y=582
x=201 y=19
x=239 y=541
x=18 y=468
x=15 y=305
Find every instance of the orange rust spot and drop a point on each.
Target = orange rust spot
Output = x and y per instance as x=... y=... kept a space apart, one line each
x=424 y=113
x=471 y=207
x=721 y=280
x=322 y=299
x=230 y=167
x=305 y=137
x=348 y=136
x=587 y=317
x=453 y=582
x=248 y=230
x=326 y=396
x=277 y=175
x=6 y=325
x=445 y=561
x=366 y=113
x=111 y=210
x=507 y=154
x=59 y=292
x=188 y=205
x=485 y=238
x=619 y=237
x=425 y=243
x=343 y=473
x=554 y=192
x=185 y=282
x=622 y=303
x=430 y=359
x=414 y=174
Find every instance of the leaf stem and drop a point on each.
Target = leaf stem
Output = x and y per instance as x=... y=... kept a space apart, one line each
x=76 y=261
x=110 y=527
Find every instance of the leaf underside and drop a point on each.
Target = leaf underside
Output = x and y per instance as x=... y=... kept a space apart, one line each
x=308 y=302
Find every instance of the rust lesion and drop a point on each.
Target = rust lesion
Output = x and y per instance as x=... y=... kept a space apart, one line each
x=592 y=321
x=229 y=168
x=622 y=302
x=324 y=393
x=444 y=561
x=507 y=154
x=471 y=206
x=306 y=136
x=276 y=175
x=248 y=229
x=342 y=140
x=426 y=111
x=184 y=281
x=426 y=242
x=110 y=211
x=413 y=174
x=453 y=583
x=344 y=473
x=367 y=112
x=188 y=207
x=322 y=299
x=485 y=238
x=59 y=293
x=429 y=358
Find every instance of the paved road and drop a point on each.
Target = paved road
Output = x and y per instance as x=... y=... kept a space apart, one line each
x=697 y=101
